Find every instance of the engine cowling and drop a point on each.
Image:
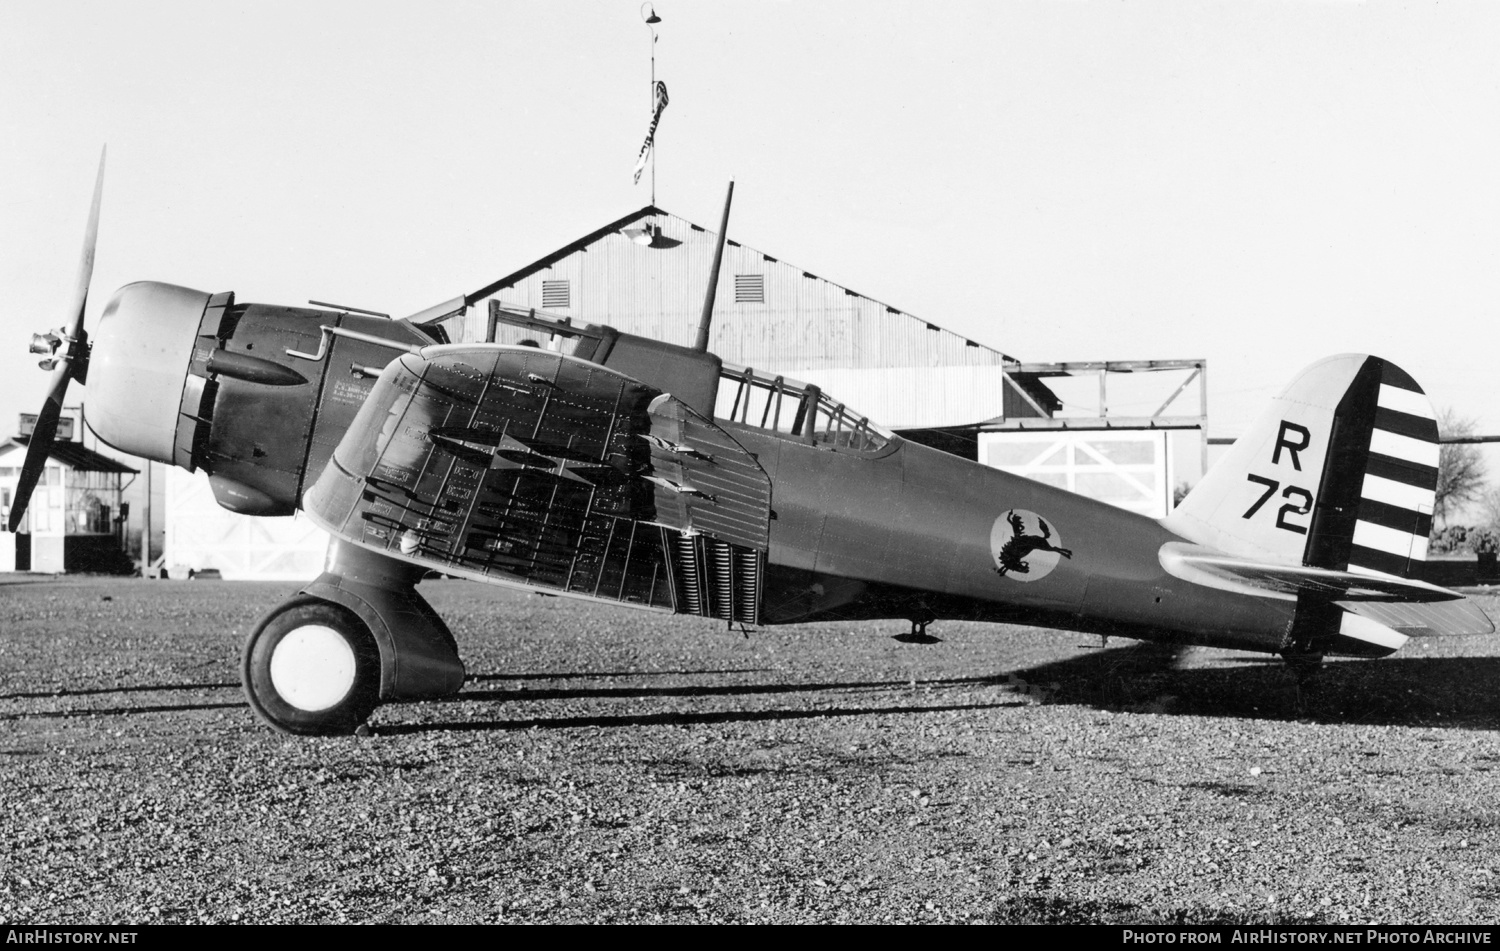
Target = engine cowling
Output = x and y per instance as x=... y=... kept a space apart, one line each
x=195 y=380
x=141 y=353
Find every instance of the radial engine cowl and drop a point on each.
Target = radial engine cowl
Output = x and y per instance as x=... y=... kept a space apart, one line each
x=138 y=365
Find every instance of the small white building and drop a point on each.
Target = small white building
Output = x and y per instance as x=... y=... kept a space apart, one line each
x=74 y=521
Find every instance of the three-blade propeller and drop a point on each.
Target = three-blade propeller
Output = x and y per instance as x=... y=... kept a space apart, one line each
x=67 y=351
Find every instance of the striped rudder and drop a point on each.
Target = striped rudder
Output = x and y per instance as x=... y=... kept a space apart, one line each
x=1327 y=502
x=1339 y=474
x=1376 y=496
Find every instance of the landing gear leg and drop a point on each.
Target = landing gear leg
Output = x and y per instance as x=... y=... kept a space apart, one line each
x=1307 y=638
x=361 y=634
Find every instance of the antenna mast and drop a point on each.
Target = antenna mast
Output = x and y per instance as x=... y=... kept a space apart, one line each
x=706 y=320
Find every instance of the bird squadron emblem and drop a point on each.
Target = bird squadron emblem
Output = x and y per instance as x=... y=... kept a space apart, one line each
x=1025 y=547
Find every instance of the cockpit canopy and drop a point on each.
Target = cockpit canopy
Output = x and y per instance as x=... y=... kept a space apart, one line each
x=797 y=409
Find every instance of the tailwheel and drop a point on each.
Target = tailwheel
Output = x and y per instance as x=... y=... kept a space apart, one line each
x=312 y=668
x=1305 y=666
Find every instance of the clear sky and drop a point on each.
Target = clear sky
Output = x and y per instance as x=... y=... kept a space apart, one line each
x=1259 y=183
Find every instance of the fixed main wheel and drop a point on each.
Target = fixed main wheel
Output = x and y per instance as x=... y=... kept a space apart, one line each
x=312 y=668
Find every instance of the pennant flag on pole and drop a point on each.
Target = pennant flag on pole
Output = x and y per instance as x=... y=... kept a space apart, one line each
x=650 y=143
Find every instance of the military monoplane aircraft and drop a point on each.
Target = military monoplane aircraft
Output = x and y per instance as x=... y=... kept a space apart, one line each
x=624 y=469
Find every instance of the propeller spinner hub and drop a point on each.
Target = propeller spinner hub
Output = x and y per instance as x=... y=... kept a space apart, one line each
x=45 y=344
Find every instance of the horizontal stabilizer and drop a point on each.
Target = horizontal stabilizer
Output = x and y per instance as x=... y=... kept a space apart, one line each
x=1359 y=636
x=1449 y=618
x=1216 y=569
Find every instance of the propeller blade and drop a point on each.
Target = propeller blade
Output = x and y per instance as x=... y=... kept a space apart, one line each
x=71 y=365
x=40 y=446
x=86 y=264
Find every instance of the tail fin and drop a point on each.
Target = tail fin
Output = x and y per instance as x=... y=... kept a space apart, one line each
x=1328 y=500
x=1338 y=474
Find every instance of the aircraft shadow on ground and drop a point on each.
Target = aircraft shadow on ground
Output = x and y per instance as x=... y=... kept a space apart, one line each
x=689 y=690
x=609 y=674
x=1452 y=692
x=119 y=711
x=123 y=708
x=681 y=718
x=706 y=690
x=1457 y=692
x=94 y=691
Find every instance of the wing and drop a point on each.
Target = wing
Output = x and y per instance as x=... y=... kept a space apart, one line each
x=523 y=466
x=1404 y=604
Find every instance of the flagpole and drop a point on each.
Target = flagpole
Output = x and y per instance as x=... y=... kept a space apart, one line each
x=648 y=13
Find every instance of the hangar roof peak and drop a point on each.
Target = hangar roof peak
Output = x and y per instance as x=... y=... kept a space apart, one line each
x=987 y=354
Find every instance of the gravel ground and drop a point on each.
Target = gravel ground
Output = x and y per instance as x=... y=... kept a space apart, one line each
x=613 y=765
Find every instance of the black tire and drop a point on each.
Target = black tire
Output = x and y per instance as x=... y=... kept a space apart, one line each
x=312 y=668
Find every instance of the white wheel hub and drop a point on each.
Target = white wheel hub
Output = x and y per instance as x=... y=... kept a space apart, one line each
x=312 y=667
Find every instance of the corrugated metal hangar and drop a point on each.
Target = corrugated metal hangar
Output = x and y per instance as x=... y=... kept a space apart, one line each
x=647 y=274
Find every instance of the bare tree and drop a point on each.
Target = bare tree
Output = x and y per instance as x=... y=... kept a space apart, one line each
x=1461 y=468
x=1489 y=508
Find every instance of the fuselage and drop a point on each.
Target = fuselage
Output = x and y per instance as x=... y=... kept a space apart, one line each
x=865 y=528
x=913 y=532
